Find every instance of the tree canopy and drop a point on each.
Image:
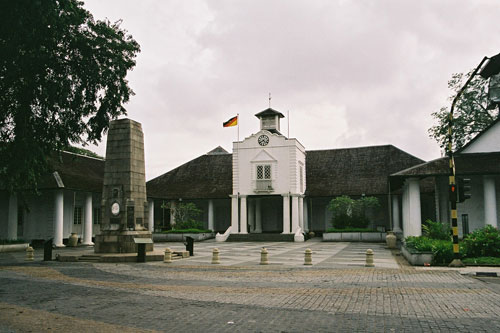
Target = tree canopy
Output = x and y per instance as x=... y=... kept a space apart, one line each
x=62 y=79
x=471 y=115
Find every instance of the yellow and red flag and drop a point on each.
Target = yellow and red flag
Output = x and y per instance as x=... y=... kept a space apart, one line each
x=231 y=122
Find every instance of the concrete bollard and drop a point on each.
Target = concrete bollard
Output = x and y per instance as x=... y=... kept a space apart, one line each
x=215 y=256
x=308 y=257
x=263 y=256
x=369 y=258
x=168 y=256
x=30 y=254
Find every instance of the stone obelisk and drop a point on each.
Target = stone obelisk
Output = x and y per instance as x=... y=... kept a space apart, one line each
x=124 y=206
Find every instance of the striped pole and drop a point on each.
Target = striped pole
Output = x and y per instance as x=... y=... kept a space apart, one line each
x=452 y=180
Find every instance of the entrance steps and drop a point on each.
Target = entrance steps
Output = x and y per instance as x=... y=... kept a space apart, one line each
x=271 y=237
x=90 y=258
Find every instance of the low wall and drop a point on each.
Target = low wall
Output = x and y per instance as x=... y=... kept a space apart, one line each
x=416 y=258
x=354 y=237
x=160 y=237
x=14 y=247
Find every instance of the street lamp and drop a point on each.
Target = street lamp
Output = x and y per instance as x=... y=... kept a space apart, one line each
x=491 y=69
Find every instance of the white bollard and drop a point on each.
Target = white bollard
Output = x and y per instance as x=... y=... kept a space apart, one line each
x=30 y=254
x=369 y=258
x=215 y=256
x=263 y=257
x=308 y=257
x=168 y=256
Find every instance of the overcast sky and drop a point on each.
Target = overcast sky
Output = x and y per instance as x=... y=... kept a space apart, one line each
x=350 y=73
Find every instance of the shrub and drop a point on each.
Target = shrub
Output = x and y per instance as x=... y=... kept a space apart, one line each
x=436 y=230
x=483 y=242
x=349 y=213
x=442 y=250
x=482 y=261
x=420 y=244
x=191 y=231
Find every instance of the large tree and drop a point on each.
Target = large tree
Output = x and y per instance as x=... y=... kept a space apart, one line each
x=471 y=115
x=62 y=79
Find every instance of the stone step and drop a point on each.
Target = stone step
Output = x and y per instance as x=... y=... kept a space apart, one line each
x=89 y=258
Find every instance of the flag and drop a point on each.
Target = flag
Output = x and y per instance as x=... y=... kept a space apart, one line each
x=231 y=122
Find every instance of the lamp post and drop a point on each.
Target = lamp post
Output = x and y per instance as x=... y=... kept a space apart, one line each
x=491 y=68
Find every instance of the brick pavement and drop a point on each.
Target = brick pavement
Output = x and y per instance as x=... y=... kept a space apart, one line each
x=333 y=295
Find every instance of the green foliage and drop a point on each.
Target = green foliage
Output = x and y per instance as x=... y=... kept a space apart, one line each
x=350 y=213
x=186 y=215
x=442 y=250
x=483 y=242
x=186 y=231
x=419 y=244
x=490 y=261
x=471 y=114
x=62 y=79
x=436 y=230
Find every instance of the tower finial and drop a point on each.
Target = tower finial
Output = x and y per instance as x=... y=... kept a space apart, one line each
x=269 y=100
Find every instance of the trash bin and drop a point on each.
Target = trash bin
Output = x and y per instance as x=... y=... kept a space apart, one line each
x=189 y=245
x=47 y=250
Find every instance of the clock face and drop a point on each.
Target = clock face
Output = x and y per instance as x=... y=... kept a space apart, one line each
x=115 y=208
x=263 y=140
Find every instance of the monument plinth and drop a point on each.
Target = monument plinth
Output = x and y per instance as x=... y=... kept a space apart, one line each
x=124 y=206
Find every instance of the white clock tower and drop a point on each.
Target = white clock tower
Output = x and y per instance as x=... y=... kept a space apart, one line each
x=268 y=181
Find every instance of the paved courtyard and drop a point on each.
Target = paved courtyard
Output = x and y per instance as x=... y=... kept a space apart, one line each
x=337 y=293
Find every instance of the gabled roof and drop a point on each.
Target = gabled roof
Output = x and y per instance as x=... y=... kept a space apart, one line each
x=478 y=135
x=465 y=164
x=354 y=171
x=269 y=112
x=208 y=176
x=75 y=172
x=333 y=172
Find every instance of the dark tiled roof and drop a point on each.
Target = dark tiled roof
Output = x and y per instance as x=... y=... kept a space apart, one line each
x=333 y=172
x=269 y=112
x=77 y=172
x=208 y=176
x=465 y=164
x=354 y=171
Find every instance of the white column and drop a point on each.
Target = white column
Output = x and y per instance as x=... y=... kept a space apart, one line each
x=173 y=206
x=295 y=213
x=396 y=223
x=151 y=216
x=490 y=201
x=243 y=214
x=58 y=218
x=286 y=214
x=301 y=212
x=258 y=217
x=306 y=217
x=251 y=215
x=87 y=223
x=211 y=224
x=12 y=218
x=414 y=209
x=234 y=214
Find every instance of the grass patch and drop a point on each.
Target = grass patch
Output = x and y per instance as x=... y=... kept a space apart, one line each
x=187 y=231
x=351 y=230
x=11 y=241
x=490 y=261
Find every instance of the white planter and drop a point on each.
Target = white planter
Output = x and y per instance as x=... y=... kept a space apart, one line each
x=416 y=258
x=157 y=237
x=13 y=247
x=353 y=236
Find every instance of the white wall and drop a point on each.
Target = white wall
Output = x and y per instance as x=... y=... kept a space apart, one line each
x=489 y=141
x=283 y=154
